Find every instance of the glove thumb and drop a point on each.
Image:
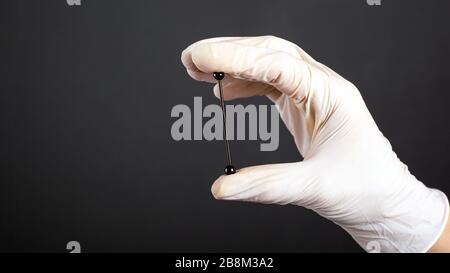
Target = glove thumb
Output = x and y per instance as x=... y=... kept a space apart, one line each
x=276 y=183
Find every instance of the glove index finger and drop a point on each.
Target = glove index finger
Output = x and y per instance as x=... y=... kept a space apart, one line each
x=265 y=65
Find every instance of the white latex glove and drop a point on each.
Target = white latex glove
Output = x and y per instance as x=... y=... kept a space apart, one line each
x=349 y=174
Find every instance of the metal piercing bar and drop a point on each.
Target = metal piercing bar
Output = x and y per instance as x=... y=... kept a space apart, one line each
x=229 y=169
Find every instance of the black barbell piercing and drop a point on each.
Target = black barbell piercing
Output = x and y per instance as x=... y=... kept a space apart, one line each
x=219 y=75
x=229 y=169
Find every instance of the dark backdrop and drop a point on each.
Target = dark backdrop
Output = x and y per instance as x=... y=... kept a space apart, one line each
x=86 y=93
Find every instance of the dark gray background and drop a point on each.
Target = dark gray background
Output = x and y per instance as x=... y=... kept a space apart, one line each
x=86 y=94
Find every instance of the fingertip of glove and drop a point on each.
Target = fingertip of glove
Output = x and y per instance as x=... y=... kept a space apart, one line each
x=202 y=57
x=218 y=189
x=215 y=191
x=228 y=186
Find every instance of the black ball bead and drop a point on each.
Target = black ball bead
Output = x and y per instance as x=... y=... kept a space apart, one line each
x=218 y=75
x=230 y=170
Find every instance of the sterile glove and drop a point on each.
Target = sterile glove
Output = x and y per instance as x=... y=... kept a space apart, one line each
x=349 y=174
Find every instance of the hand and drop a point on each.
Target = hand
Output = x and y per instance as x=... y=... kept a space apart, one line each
x=349 y=174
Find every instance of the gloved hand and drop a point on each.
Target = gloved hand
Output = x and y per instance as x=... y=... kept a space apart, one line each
x=349 y=174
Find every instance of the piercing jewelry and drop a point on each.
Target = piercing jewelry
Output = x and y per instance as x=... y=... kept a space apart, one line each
x=229 y=169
